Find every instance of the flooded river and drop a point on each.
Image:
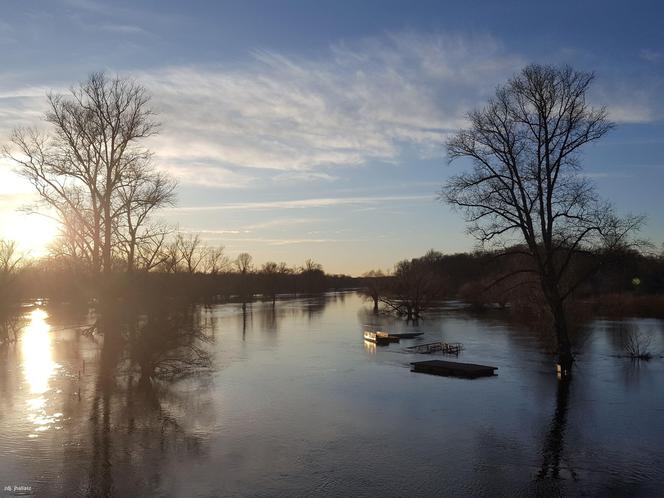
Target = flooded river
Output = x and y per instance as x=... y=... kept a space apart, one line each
x=290 y=401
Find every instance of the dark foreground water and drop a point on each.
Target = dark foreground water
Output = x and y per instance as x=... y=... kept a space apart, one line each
x=292 y=402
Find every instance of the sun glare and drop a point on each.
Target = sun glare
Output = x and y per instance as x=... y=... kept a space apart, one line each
x=38 y=362
x=32 y=232
x=38 y=368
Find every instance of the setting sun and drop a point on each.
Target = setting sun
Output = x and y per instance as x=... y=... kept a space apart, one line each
x=32 y=232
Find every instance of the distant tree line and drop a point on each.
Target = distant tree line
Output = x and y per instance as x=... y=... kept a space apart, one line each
x=195 y=280
x=487 y=279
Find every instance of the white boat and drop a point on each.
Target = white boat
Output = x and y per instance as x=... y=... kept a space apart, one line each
x=377 y=337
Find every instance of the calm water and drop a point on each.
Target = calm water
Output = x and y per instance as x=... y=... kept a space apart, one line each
x=292 y=402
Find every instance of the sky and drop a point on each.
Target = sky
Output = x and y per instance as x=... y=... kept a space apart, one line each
x=316 y=129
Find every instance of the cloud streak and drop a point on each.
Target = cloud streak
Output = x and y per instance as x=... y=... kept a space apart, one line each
x=283 y=119
x=359 y=102
x=303 y=203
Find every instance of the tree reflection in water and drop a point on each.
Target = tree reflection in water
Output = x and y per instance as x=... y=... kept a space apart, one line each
x=245 y=314
x=135 y=413
x=553 y=449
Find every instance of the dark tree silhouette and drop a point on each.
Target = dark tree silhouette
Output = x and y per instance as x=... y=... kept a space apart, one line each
x=525 y=185
x=215 y=260
x=414 y=286
x=313 y=276
x=189 y=249
x=244 y=263
x=93 y=148
x=139 y=194
x=270 y=275
x=373 y=285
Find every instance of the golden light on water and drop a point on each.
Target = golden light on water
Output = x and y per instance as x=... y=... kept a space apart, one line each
x=36 y=349
x=38 y=368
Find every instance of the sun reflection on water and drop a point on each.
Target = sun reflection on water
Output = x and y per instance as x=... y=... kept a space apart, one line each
x=38 y=368
x=370 y=347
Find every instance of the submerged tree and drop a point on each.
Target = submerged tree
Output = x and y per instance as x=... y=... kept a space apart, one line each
x=270 y=280
x=313 y=276
x=274 y=278
x=525 y=185
x=244 y=264
x=373 y=284
x=414 y=287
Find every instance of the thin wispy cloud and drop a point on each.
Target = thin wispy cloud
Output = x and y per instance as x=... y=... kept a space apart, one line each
x=126 y=15
x=204 y=174
x=650 y=55
x=124 y=29
x=600 y=175
x=7 y=33
x=304 y=203
x=359 y=102
x=362 y=101
x=283 y=222
x=289 y=177
x=281 y=241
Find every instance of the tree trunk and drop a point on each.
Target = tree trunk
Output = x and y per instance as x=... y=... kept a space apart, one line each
x=130 y=256
x=375 y=306
x=96 y=239
x=107 y=237
x=565 y=357
x=564 y=346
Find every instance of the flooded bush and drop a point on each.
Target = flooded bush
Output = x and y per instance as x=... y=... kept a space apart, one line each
x=636 y=343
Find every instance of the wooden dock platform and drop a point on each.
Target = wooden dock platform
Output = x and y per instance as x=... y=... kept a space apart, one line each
x=407 y=335
x=453 y=369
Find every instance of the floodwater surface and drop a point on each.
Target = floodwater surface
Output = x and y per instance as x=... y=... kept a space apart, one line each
x=290 y=401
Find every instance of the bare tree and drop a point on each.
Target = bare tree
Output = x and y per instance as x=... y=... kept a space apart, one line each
x=525 y=183
x=139 y=194
x=171 y=258
x=243 y=262
x=215 y=260
x=244 y=265
x=271 y=276
x=284 y=269
x=373 y=283
x=11 y=261
x=68 y=187
x=74 y=244
x=414 y=286
x=94 y=144
x=311 y=266
x=313 y=276
x=190 y=253
x=152 y=250
x=635 y=343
